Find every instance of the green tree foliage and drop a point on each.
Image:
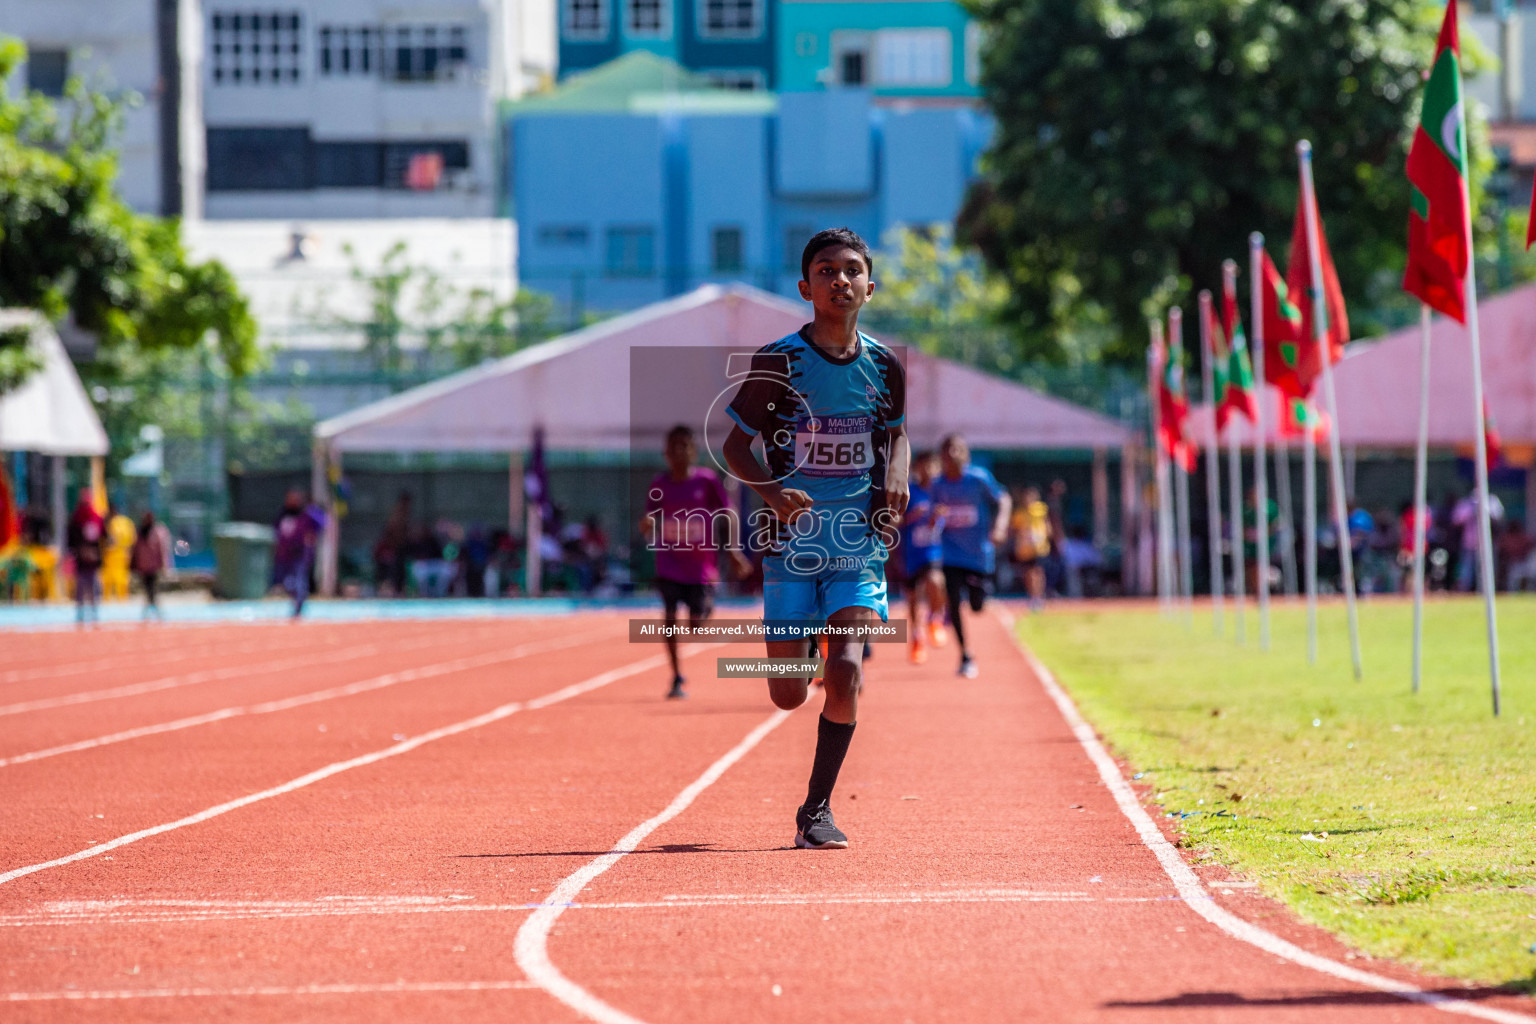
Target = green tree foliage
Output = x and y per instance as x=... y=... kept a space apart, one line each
x=70 y=247
x=412 y=305
x=1139 y=143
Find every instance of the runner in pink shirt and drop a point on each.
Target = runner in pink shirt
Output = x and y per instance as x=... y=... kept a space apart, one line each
x=682 y=507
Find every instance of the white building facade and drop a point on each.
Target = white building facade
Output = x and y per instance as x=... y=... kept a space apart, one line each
x=299 y=109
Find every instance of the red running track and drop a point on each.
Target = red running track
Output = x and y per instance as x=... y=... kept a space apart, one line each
x=447 y=838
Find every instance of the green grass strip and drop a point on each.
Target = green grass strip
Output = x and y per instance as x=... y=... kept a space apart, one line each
x=1404 y=824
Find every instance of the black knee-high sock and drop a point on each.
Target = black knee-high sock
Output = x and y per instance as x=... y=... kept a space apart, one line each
x=832 y=739
x=956 y=614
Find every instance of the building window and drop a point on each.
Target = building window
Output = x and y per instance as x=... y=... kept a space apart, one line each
x=350 y=50
x=795 y=237
x=426 y=53
x=972 y=53
x=258 y=159
x=631 y=252
x=913 y=57
x=423 y=166
x=730 y=19
x=47 y=71
x=741 y=79
x=585 y=19
x=850 y=58
x=349 y=164
x=563 y=235
x=254 y=48
x=725 y=250
x=647 y=17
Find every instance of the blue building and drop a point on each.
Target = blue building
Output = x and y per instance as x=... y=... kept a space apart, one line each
x=625 y=193
x=909 y=48
x=730 y=42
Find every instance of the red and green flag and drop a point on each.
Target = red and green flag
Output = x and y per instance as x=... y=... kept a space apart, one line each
x=1296 y=414
x=1234 y=371
x=1282 y=332
x=1530 y=226
x=1493 y=441
x=1439 y=220
x=1335 y=328
x=1173 y=406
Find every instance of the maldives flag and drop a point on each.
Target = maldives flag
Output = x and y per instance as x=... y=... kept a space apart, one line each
x=1439 y=221
x=10 y=528
x=1493 y=441
x=1173 y=407
x=1335 y=328
x=1296 y=413
x=1530 y=227
x=1234 y=381
x=1282 y=332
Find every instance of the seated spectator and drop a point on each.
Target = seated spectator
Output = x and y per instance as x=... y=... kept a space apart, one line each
x=1082 y=562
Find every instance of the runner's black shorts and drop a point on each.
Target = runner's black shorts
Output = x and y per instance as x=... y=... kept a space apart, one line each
x=973 y=585
x=698 y=598
x=916 y=576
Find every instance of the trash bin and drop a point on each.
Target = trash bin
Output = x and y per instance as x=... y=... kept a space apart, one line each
x=242 y=554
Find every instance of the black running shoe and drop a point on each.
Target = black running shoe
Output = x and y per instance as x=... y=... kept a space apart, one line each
x=677 y=692
x=814 y=830
x=968 y=668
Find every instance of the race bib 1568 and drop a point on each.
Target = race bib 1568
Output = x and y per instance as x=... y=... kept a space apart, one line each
x=834 y=445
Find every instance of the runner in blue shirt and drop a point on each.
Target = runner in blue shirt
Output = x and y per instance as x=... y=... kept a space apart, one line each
x=830 y=406
x=923 y=557
x=975 y=509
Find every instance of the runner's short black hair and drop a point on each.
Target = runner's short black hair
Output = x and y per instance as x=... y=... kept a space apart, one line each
x=681 y=432
x=826 y=240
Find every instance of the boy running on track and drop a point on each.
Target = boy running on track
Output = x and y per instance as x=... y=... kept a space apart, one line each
x=830 y=405
x=923 y=556
x=684 y=503
x=975 y=509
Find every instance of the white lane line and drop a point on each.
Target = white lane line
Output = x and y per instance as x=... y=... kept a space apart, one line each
x=88 y=995
x=214 y=675
x=336 y=768
x=120 y=658
x=130 y=912
x=531 y=948
x=288 y=703
x=1193 y=891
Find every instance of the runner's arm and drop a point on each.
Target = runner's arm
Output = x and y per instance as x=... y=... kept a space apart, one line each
x=897 y=489
x=786 y=502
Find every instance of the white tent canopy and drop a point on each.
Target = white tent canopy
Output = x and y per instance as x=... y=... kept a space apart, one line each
x=50 y=413
x=578 y=390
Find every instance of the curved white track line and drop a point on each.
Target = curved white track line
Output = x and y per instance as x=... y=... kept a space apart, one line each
x=1194 y=893
x=315 y=697
x=337 y=767
x=531 y=949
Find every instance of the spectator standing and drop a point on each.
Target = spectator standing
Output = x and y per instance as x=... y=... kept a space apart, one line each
x=389 y=554
x=1031 y=528
x=298 y=531
x=148 y=559
x=1465 y=520
x=86 y=537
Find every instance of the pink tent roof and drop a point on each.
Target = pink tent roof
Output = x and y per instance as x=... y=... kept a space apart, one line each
x=1378 y=381
x=626 y=381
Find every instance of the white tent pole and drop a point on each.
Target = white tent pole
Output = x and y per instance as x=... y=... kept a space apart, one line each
x=1420 y=497
x=1484 y=517
x=533 y=565
x=60 y=522
x=1335 y=454
x=1212 y=463
x=1260 y=469
x=1181 y=491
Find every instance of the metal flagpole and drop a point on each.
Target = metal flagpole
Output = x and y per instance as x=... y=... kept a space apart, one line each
x=1484 y=520
x=1309 y=526
x=1335 y=455
x=1420 y=497
x=1160 y=476
x=1260 y=470
x=1287 y=514
x=1212 y=462
x=1181 y=492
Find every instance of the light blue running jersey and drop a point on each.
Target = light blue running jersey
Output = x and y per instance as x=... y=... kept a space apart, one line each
x=824 y=421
